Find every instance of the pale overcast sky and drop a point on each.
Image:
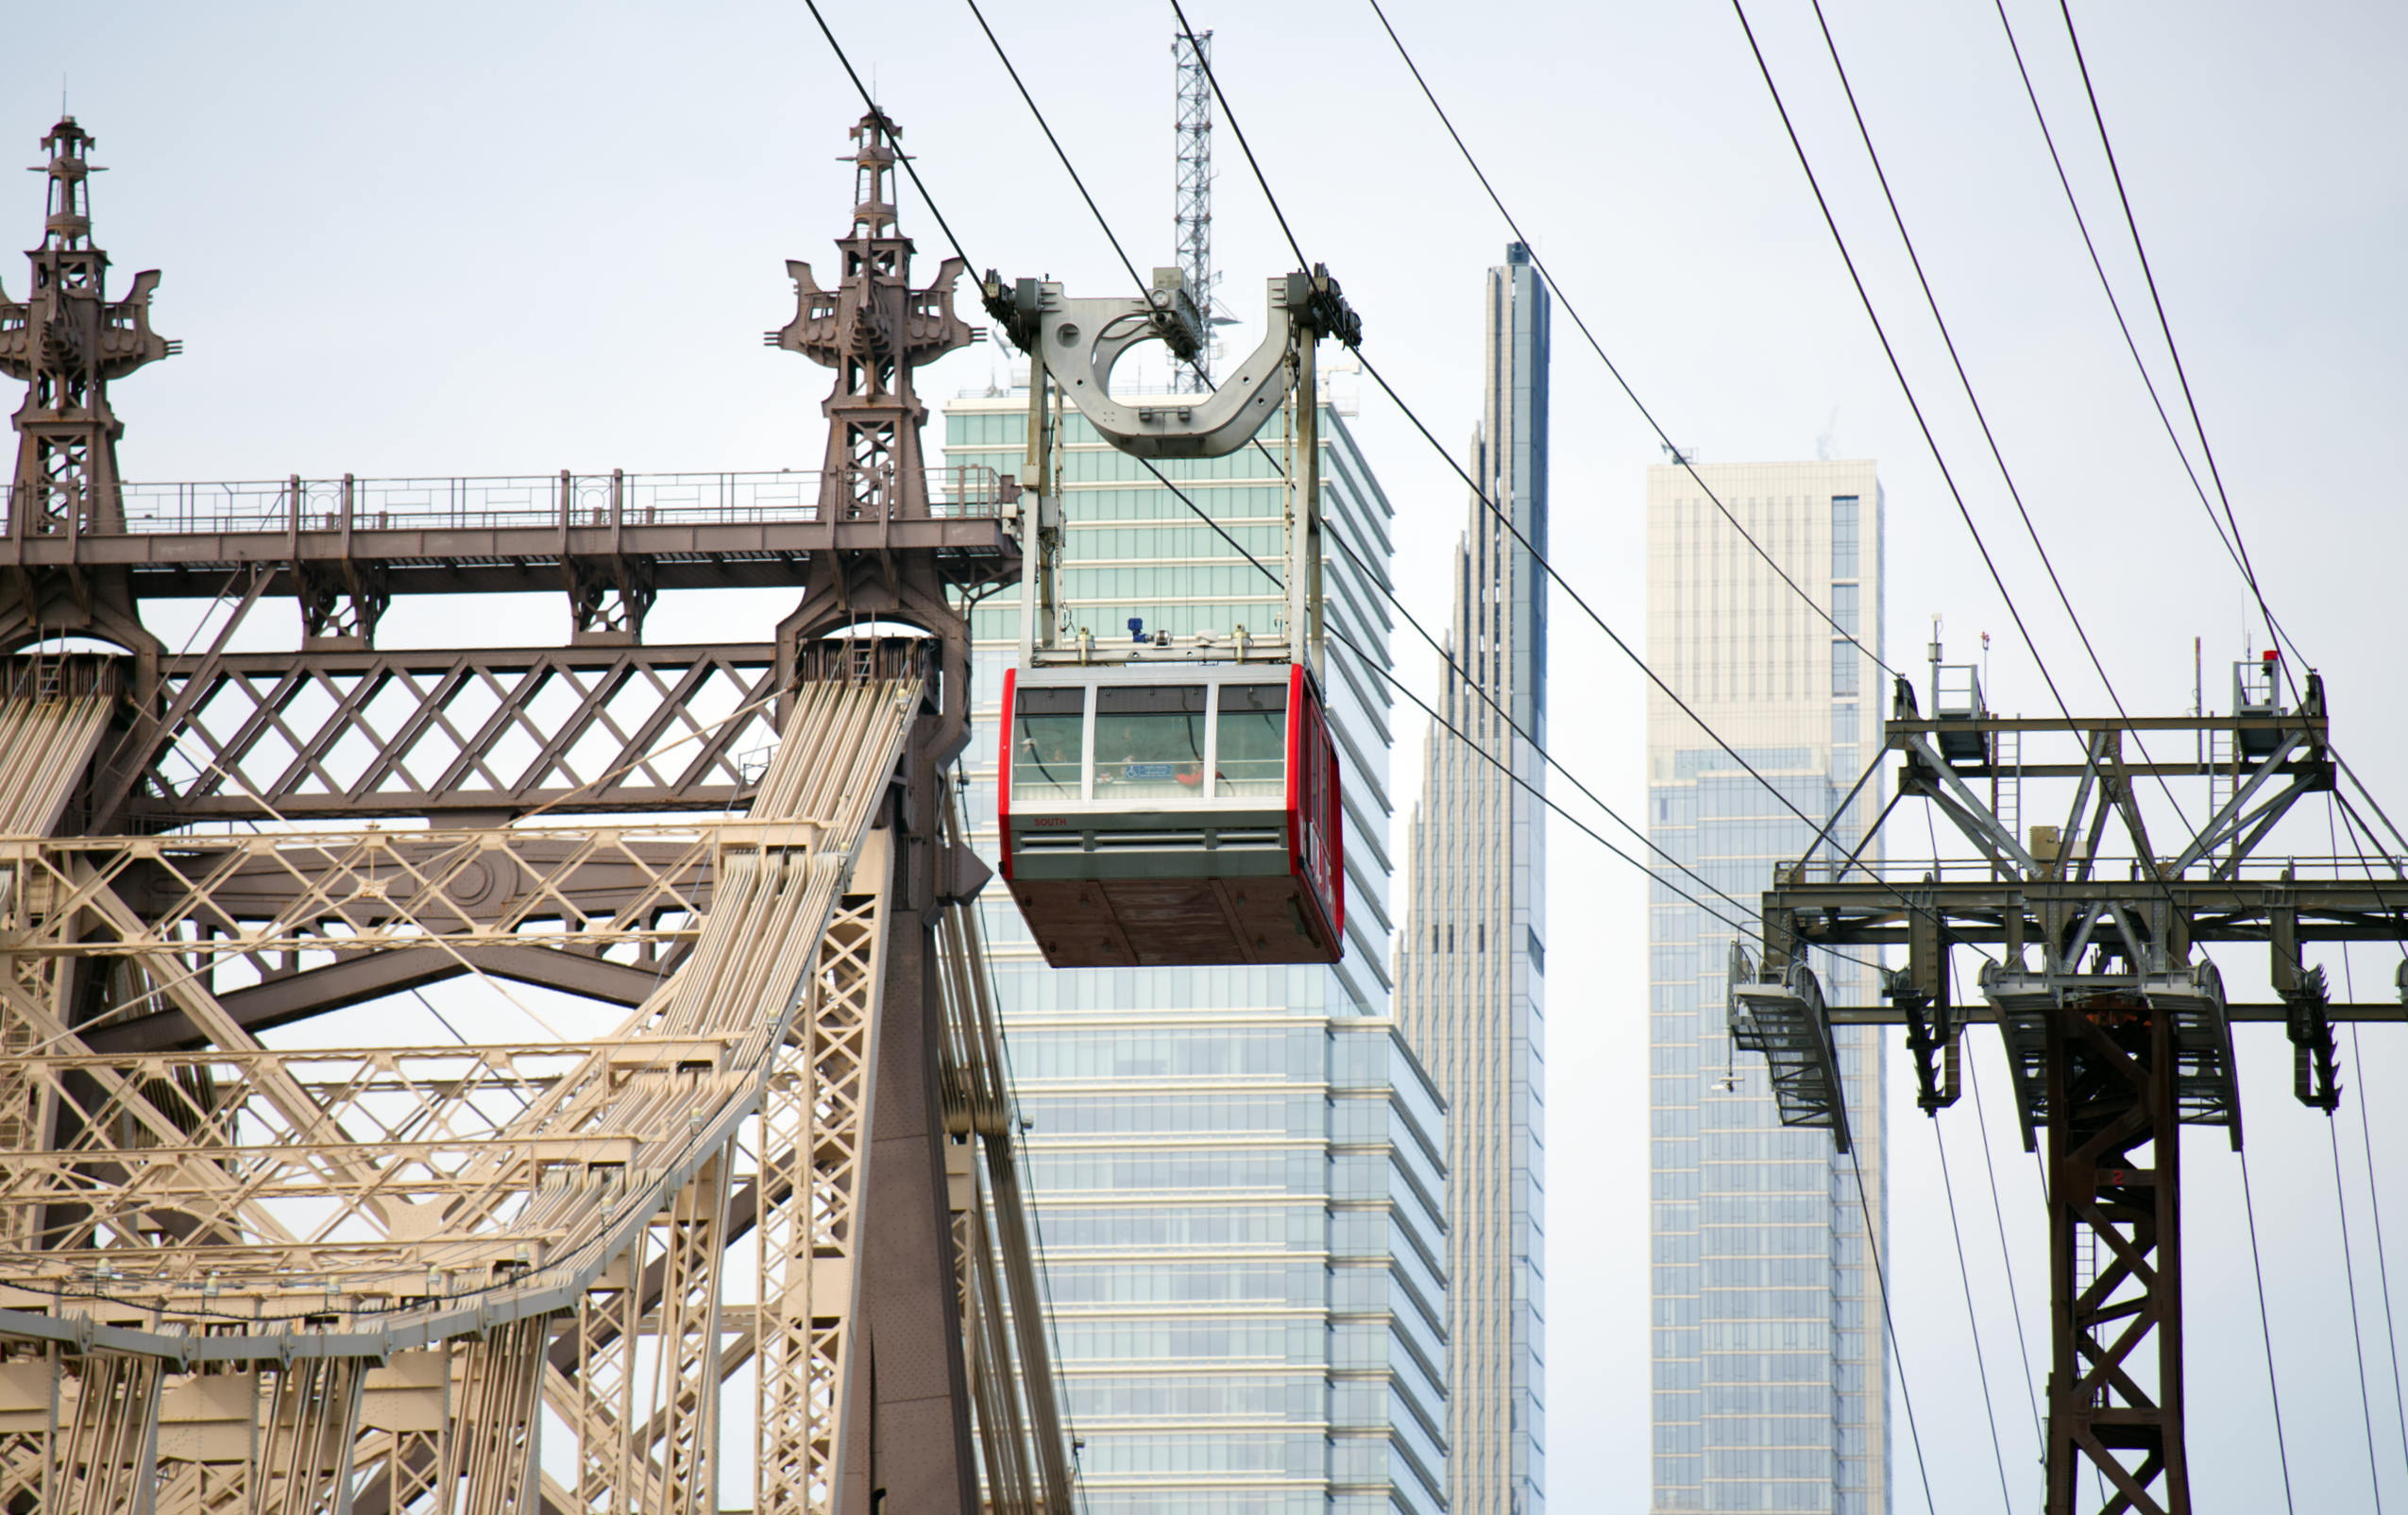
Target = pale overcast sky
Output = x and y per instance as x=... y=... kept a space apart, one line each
x=453 y=238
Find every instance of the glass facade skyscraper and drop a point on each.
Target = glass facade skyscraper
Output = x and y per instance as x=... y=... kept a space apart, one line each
x=1771 y=1375
x=1237 y=1173
x=1471 y=961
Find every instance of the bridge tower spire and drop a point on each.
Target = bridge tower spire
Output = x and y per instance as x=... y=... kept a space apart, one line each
x=873 y=328
x=67 y=340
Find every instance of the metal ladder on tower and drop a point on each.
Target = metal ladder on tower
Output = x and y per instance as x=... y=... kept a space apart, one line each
x=2223 y=770
x=2006 y=781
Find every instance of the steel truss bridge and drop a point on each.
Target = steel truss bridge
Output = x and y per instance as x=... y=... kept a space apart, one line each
x=237 y=1276
x=2113 y=1017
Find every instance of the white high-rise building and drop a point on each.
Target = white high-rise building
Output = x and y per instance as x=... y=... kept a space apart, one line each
x=1770 y=1370
x=1471 y=959
x=1236 y=1172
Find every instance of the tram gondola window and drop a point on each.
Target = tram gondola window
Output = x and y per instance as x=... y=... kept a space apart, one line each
x=1254 y=733
x=1045 y=746
x=1149 y=742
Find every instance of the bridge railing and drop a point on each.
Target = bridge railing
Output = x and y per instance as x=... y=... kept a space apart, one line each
x=505 y=503
x=1907 y=873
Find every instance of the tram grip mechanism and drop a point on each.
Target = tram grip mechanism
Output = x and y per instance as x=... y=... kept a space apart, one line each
x=1079 y=341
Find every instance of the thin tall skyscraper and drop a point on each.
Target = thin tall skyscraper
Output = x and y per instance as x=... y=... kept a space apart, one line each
x=1472 y=958
x=1769 y=1374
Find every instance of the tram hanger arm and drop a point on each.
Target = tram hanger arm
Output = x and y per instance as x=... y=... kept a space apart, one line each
x=1080 y=340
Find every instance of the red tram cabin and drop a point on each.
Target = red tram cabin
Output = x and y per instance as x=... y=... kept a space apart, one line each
x=1156 y=816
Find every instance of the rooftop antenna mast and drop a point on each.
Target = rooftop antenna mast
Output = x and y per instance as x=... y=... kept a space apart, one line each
x=1194 y=220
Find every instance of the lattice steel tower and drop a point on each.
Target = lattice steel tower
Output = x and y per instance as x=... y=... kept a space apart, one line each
x=1194 y=221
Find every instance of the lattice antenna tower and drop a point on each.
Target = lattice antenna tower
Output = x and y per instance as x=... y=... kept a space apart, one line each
x=1195 y=223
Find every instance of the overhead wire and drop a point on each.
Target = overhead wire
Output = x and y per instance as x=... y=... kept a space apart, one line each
x=1005 y=59
x=2123 y=324
x=2365 y=1130
x=1501 y=765
x=2005 y=1254
x=2357 y=1330
x=1881 y=333
x=1537 y=557
x=2266 y=1328
x=1872 y=1247
x=1036 y=1212
x=1948 y=1185
x=1890 y=1327
x=2173 y=350
x=1989 y=562
x=1679 y=456
x=1973 y=400
x=864 y=90
x=1973 y=1320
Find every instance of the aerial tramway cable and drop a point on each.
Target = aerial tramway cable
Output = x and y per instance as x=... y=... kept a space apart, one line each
x=1070 y=168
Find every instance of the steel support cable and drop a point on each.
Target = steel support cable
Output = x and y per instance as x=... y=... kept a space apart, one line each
x=1611 y=635
x=1540 y=558
x=2350 y=1280
x=1470 y=681
x=2341 y=1206
x=1044 y=1269
x=1998 y=1216
x=1381 y=673
x=2374 y=1205
x=2266 y=1328
x=2098 y=267
x=864 y=90
x=1973 y=400
x=2367 y=795
x=1864 y=296
x=1594 y=345
x=1480 y=495
x=2365 y=1131
x=1534 y=790
x=1890 y=1329
x=2148 y=275
x=1973 y=1320
x=1503 y=767
x=1005 y=59
x=1864 y=1207
x=1997 y=1213
x=1545 y=757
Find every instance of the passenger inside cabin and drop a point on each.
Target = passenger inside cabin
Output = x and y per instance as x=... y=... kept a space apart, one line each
x=1149 y=742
